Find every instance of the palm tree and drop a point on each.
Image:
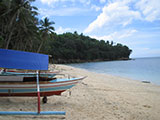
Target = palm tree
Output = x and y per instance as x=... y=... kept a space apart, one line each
x=26 y=30
x=45 y=30
x=15 y=14
x=4 y=9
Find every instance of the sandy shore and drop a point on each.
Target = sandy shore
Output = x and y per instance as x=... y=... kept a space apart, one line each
x=98 y=97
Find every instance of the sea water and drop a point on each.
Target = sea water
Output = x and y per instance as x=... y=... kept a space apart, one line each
x=143 y=69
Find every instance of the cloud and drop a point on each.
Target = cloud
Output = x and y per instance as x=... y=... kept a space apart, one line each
x=96 y=8
x=116 y=35
x=62 y=30
x=68 y=9
x=105 y=37
x=127 y=34
x=102 y=1
x=114 y=14
x=122 y=13
x=55 y=1
x=150 y=9
x=49 y=2
x=62 y=11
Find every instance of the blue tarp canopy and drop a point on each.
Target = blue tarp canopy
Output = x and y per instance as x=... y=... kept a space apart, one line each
x=23 y=60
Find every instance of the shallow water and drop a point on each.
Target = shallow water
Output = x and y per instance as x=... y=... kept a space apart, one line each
x=143 y=69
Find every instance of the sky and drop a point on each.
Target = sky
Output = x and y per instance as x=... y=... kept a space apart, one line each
x=135 y=23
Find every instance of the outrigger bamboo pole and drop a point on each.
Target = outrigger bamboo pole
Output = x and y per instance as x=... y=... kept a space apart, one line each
x=38 y=107
x=32 y=113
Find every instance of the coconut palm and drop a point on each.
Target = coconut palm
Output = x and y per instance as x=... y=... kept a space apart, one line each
x=46 y=29
x=15 y=14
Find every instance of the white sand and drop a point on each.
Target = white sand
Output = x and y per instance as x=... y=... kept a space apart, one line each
x=98 y=97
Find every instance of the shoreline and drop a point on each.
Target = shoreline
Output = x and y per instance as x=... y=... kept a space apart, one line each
x=132 y=95
x=140 y=73
x=61 y=61
x=97 y=97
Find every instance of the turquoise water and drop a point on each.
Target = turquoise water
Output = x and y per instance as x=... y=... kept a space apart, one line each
x=147 y=69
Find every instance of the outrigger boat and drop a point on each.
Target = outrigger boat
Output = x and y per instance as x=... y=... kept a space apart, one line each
x=3 y=72
x=27 y=86
x=30 y=86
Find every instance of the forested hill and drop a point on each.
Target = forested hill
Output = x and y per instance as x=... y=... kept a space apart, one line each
x=72 y=47
x=21 y=29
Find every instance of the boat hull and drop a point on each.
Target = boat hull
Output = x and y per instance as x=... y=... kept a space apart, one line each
x=53 y=87
x=28 y=74
x=32 y=94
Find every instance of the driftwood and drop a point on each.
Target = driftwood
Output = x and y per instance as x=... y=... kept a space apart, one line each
x=146 y=81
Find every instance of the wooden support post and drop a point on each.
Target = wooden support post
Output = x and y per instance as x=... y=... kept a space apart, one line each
x=38 y=94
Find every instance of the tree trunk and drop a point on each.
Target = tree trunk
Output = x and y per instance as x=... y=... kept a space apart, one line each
x=40 y=46
x=9 y=39
x=10 y=30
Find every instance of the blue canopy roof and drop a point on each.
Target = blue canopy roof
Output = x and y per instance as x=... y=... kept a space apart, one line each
x=23 y=60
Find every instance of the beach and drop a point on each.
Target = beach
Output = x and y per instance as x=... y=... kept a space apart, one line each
x=97 y=97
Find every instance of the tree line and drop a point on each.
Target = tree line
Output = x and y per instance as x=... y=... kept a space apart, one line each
x=74 y=47
x=21 y=29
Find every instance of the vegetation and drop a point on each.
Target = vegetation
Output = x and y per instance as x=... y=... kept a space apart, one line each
x=20 y=29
